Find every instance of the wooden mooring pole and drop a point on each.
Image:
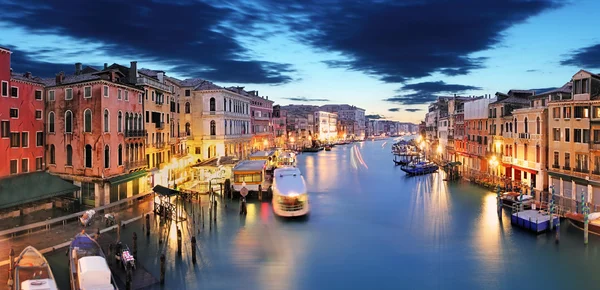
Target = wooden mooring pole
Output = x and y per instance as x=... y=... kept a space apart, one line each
x=194 y=249
x=162 y=269
x=135 y=245
x=179 y=242
x=11 y=256
x=147 y=224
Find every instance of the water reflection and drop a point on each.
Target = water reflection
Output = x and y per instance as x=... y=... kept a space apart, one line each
x=488 y=236
x=430 y=208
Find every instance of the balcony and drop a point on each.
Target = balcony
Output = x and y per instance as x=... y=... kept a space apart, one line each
x=507 y=135
x=529 y=136
x=264 y=118
x=144 y=81
x=159 y=145
x=507 y=159
x=595 y=146
x=581 y=170
x=160 y=125
x=135 y=164
x=527 y=164
x=135 y=133
x=555 y=166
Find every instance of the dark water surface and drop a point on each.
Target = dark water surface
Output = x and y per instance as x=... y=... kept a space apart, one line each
x=371 y=228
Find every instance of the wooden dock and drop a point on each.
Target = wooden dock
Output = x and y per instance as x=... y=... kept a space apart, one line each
x=537 y=221
x=140 y=277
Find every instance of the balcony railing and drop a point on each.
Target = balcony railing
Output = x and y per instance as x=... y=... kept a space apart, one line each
x=555 y=166
x=507 y=134
x=153 y=83
x=582 y=170
x=594 y=146
x=135 y=133
x=507 y=159
x=159 y=145
x=160 y=125
x=135 y=164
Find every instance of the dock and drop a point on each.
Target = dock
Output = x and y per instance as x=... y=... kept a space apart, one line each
x=534 y=220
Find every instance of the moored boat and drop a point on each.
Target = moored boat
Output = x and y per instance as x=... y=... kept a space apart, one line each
x=419 y=168
x=312 y=149
x=290 y=196
x=32 y=271
x=509 y=198
x=87 y=265
x=593 y=221
x=328 y=148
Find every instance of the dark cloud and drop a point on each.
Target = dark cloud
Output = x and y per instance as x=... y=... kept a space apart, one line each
x=412 y=110
x=394 y=109
x=305 y=99
x=192 y=36
x=375 y=117
x=427 y=92
x=395 y=41
x=532 y=70
x=587 y=57
x=24 y=62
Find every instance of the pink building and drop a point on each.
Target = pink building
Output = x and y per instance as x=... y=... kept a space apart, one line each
x=280 y=126
x=95 y=134
x=22 y=176
x=261 y=114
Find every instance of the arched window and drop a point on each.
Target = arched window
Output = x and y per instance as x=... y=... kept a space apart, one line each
x=120 y=122
x=135 y=122
x=87 y=121
x=52 y=154
x=516 y=129
x=213 y=128
x=224 y=104
x=68 y=122
x=51 y=122
x=526 y=125
x=69 y=155
x=106 y=120
x=88 y=156
x=212 y=105
x=229 y=105
x=140 y=118
x=187 y=108
x=106 y=156
x=537 y=126
x=225 y=127
x=187 y=129
x=120 y=154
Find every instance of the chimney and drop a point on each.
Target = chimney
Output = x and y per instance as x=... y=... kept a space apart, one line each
x=60 y=77
x=133 y=72
x=160 y=76
x=27 y=75
x=77 y=68
x=105 y=65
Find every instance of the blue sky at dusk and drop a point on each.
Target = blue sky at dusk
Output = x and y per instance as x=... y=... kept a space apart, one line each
x=388 y=57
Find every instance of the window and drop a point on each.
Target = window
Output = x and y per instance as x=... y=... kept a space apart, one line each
x=120 y=122
x=4 y=88
x=14 y=92
x=15 y=139
x=585 y=86
x=52 y=154
x=140 y=99
x=187 y=107
x=106 y=120
x=581 y=163
x=24 y=165
x=582 y=112
x=596 y=136
x=126 y=96
x=526 y=124
x=24 y=139
x=153 y=96
x=525 y=152
x=38 y=163
x=567 y=112
x=577 y=135
x=187 y=93
x=556 y=157
x=14 y=113
x=596 y=112
x=187 y=129
x=38 y=114
x=5 y=129
x=567 y=135
x=586 y=135
x=537 y=154
x=69 y=155
x=213 y=128
x=51 y=96
x=567 y=161
x=68 y=122
x=556 y=134
x=88 y=156
x=212 y=105
x=106 y=157
x=120 y=155
x=69 y=94
x=87 y=121
x=38 y=95
x=13 y=166
x=105 y=91
x=538 y=128
x=87 y=92
x=39 y=139
x=118 y=94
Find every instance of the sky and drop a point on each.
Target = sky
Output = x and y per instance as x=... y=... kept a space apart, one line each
x=389 y=57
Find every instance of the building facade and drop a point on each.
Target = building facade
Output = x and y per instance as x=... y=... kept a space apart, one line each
x=280 y=127
x=325 y=126
x=476 y=118
x=261 y=121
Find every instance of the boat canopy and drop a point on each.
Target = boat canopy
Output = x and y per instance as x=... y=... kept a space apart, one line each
x=250 y=165
x=39 y=284
x=262 y=155
x=594 y=216
x=93 y=273
x=289 y=181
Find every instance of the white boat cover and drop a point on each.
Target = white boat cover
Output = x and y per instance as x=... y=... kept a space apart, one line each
x=39 y=284
x=93 y=273
x=524 y=197
x=288 y=181
x=594 y=216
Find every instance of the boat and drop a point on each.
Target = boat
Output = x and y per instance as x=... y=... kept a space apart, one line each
x=32 y=271
x=419 y=168
x=87 y=265
x=250 y=174
x=290 y=196
x=286 y=158
x=327 y=148
x=312 y=149
x=577 y=219
x=509 y=199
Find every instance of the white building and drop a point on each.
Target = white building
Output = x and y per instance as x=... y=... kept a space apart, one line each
x=325 y=126
x=349 y=113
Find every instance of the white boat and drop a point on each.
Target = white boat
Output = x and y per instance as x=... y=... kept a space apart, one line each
x=290 y=197
x=87 y=265
x=32 y=271
x=250 y=174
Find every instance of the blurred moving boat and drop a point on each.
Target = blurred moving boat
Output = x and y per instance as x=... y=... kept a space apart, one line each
x=87 y=265
x=32 y=271
x=290 y=196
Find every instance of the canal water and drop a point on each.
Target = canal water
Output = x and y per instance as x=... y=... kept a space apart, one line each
x=371 y=227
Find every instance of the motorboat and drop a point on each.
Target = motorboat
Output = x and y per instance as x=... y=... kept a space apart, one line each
x=32 y=271
x=509 y=199
x=124 y=257
x=577 y=219
x=87 y=265
x=290 y=196
x=327 y=148
x=419 y=168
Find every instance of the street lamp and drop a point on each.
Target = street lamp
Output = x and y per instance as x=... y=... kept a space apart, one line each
x=266 y=144
x=493 y=164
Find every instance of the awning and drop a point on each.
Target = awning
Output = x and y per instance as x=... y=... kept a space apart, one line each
x=127 y=177
x=165 y=191
x=532 y=171
x=30 y=187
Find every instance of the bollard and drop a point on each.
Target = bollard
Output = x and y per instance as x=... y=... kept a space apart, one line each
x=178 y=241
x=585 y=233
x=557 y=236
x=11 y=264
x=118 y=231
x=147 y=224
x=134 y=245
x=260 y=192
x=202 y=208
x=162 y=269
x=215 y=211
x=193 y=249
x=221 y=189
x=128 y=278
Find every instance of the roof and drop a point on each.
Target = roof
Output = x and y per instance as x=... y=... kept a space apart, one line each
x=149 y=72
x=200 y=84
x=127 y=177
x=23 y=188
x=512 y=100
x=71 y=79
x=263 y=153
x=521 y=92
x=289 y=181
x=223 y=160
x=165 y=191
x=566 y=88
x=249 y=165
x=31 y=79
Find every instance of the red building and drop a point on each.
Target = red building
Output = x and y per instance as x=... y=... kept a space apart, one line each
x=22 y=176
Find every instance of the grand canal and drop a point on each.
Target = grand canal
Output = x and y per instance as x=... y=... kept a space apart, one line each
x=372 y=228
